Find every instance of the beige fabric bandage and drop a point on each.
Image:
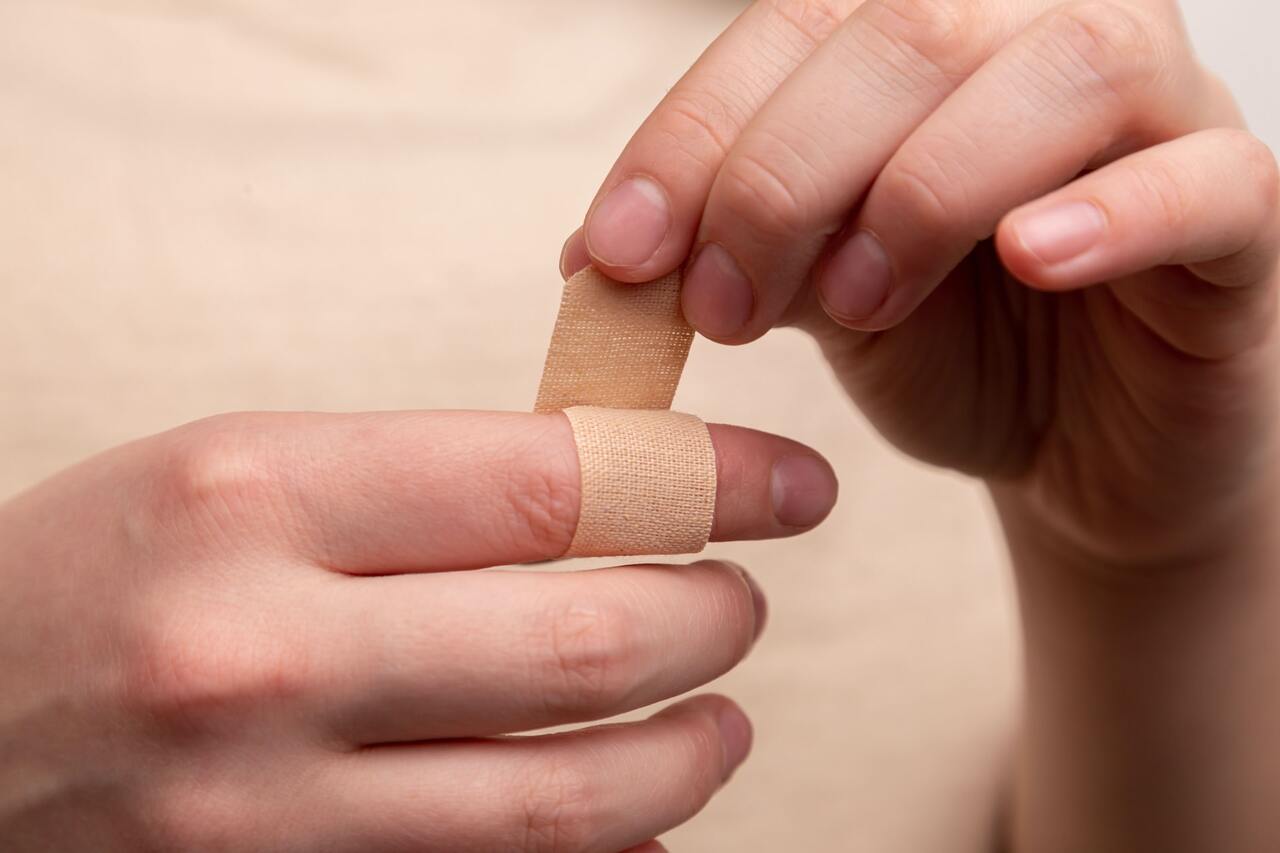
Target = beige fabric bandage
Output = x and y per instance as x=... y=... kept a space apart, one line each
x=648 y=482
x=648 y=474
x=617 y=345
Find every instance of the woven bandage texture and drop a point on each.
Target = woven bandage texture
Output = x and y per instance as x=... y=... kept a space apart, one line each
x=648 y=482
x=617 y=345
x=648 y=474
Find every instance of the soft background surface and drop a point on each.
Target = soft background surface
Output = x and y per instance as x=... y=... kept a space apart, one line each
x=222 y=204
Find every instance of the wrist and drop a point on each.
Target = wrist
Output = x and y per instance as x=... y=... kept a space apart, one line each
x=1231 y=528
x=1131 y=665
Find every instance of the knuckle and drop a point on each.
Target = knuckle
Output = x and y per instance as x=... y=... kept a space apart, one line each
x=757 y=190
x=949 y=36
x=1166 y=187
x=215 y=466
x=558 y=813
x=925 y=190
x=190 y=681
x=700 y=125
x=1260 y=160
x=813 y=20
x=584 y=659
x=1109 y=47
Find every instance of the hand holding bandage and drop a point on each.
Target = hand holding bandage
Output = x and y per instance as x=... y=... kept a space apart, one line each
x=648 y=475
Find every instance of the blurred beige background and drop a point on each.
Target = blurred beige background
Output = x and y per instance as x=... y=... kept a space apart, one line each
x=221 y=204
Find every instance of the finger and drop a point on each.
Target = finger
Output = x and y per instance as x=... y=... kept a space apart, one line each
x=1082 y=83
x=541 y=649
x=641 y=224
x=593 y=791
x=433 y=491
x=806 y=159
x=1208 y=201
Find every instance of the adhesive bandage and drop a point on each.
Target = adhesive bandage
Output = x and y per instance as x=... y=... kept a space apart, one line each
x=648 y=474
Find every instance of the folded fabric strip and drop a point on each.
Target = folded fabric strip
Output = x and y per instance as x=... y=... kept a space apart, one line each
x=648 y=474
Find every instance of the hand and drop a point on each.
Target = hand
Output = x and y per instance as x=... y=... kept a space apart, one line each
x=254 y=633
x=1031 y=237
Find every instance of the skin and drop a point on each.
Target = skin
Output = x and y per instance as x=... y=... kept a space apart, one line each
x=260 y=632
x=1037 y=245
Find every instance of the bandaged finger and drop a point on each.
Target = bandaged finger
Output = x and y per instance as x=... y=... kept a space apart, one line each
x=648 y=474
x=648 y=482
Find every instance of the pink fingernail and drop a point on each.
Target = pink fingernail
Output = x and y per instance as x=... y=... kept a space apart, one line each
x=717 y=297
x=856 y=281
x=630 y=224
x=1062 y=232
x=802 y=489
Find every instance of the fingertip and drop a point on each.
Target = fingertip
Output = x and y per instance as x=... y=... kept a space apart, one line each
x=759 y=604
x=574 y=257
x=866 y=324
x=768 y=486
x=1054 y=245
x=737 y=734
x=733 y=725
x=803 y=490
x=628 y=228
x=1014 y=257
x=717 y=298
x=855 y=282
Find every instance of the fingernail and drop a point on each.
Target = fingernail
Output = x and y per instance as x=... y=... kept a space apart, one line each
x=1060 y=233
x=735 y=734
x=574 y=257
x=717 y=297
x=758 y=602
x=630 y=224
x=803 y=489
x=855 y=281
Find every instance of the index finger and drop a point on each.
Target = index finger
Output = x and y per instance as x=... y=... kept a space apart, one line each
x=384 y=493
x=642 y=222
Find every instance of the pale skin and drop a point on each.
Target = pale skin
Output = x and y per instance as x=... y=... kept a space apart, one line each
x=1037 y=245
x=262 y=632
